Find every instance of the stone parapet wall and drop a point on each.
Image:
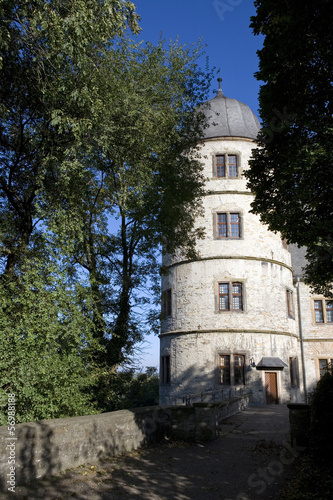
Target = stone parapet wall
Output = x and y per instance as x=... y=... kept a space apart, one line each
x=50 y=446
x=299 y=419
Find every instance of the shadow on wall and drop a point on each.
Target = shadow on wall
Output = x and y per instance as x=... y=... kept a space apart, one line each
x=203 y=385
x=48 y=447
x=48 y=454
x=31 y=445
x=102 y=439
x=267 y=385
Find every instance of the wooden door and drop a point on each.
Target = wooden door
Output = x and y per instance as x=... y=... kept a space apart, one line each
x=271 y=388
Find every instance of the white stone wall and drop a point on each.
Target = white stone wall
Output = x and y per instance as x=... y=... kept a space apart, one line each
x=196 y=332
x=195 y=369
x=194 y=288
x=318 y=337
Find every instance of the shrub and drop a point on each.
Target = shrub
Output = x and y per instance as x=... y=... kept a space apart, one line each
x=321 y=433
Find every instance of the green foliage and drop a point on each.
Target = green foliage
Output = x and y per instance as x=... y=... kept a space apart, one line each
x=49 y=52
x=98 y=170
x=313 y=471
x=321 y=436
x=144 y=389
x=291 y=174
x=123 y=389
x=145 y=175
x=310 y=481
x=45 y=344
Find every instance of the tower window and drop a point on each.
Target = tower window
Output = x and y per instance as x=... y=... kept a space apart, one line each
x=239 y=369
x=165 y=370
x=323 y=311
x=225 y=369
x=329 y=311
x=167 y=303
x=325 y=365
x=293 y=370
x=290 y=304
x=230 y=297
x=226 y=166
x=231 y=369
x=228 y=225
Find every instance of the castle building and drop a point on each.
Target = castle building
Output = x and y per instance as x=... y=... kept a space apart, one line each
x=239 y=317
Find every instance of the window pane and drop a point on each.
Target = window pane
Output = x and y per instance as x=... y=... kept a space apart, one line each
x=220 y=166
x=224 y=303
x=290 y=304
x=225 y=369
x=222 y=225
x=237 y=296
x=323 y=365
x=329 y=311
x=232 y=163
x=234 y=225
x=237 y=303
x=225 y=360
x=239 y=370
x=293 y=370
x=165 y=370
x=224 y=296
x=319 y=311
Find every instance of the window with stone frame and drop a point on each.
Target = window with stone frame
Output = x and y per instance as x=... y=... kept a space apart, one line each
x=228 y=225
x=167 y=303
x=226 y=165
x=230 y=296
x=231 y=369
x=294 y=371
x=165 y=370
x=290 y=304
x=325 y=364
x=323 y=310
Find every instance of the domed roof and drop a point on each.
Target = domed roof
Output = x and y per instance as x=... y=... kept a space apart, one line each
x=229 y=118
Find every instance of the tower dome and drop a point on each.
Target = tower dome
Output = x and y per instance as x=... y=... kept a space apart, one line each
x=229 y=118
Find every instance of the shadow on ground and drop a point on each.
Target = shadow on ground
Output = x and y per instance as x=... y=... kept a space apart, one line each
x=250 y=460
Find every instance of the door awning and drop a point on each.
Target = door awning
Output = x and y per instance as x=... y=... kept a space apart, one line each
x=271 y=363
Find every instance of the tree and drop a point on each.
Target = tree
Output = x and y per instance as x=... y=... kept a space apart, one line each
x=146 y=174
x=98 y=170
x=48 y=52
x=291 y=173
x=46 y=343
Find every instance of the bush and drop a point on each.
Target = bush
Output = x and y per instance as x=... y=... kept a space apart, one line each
x=321 y=433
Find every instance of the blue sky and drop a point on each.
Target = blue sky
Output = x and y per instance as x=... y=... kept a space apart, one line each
x=223 y=26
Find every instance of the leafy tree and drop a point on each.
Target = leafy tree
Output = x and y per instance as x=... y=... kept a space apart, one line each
x=144 y=172
x=291 y=173
x=48 y=52
x=98 y=170
x=46 y=343
x=130 y=389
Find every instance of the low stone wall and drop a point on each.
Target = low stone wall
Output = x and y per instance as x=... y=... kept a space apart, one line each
x=50 y=446
x=299 y=419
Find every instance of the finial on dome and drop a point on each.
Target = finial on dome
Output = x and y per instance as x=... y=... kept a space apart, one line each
x=219 y=93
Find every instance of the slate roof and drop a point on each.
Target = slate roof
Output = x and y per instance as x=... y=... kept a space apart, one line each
x=271 y=362
x=229 y=118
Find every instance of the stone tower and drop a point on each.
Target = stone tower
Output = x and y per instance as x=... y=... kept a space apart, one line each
x=229 y=320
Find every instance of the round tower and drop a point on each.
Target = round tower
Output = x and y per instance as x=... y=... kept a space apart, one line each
x=228 y=320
